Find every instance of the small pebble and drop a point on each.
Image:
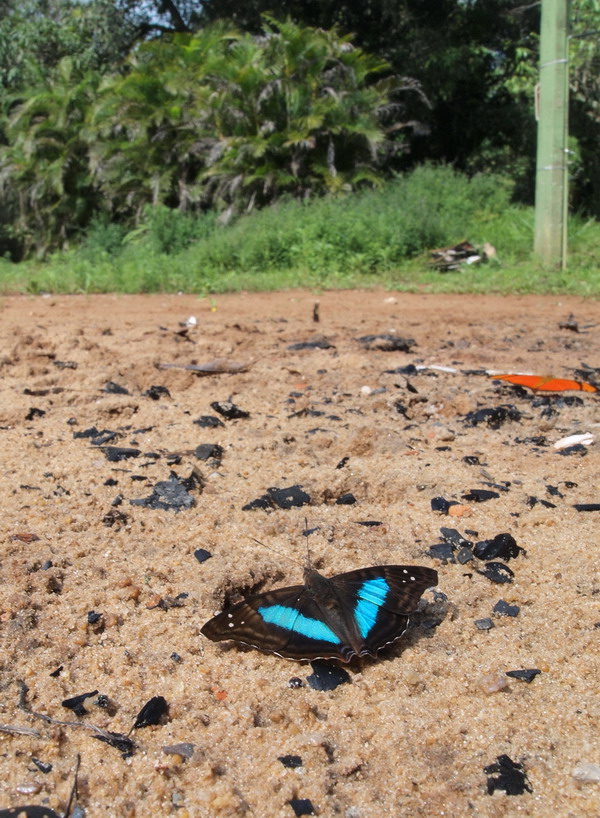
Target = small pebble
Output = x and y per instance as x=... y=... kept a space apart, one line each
x=459 y=510
x=484 y=624
x=492 y=683
x=586 y=771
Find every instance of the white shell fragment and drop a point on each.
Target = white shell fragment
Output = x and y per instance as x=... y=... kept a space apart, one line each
x=585 y=439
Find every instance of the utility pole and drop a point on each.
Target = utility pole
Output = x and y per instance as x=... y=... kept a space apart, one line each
x=551 y=186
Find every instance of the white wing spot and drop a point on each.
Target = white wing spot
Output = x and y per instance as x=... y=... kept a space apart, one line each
x=404 y=571
x=231 y=625
x=230 y=616
x=413 y=579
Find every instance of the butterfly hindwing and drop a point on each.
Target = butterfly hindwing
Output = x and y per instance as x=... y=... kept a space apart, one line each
x=382 y=599
x=355 y=613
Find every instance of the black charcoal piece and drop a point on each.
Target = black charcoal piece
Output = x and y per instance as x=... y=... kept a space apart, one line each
x=307 y=413
x=497 y=572
x=34 y=412
x=111 y=482
x=152 y=712
x=56 y=673
x=536 y=440
x=124 y=744
x=43 y=766
x=480 y=495
x=443 y=448
x=502 y=608
x=90 y=432
x=96 y=438
x=290 y=497
x=229 y=410
x=114 y=389
x=493 y=416
x=103 y=702
x=347 y=499
x=209 y=451
x=301 y=806
x=295 y=682
x=368 y=523
x=502 y=545
x=168 y=494
x=454 y=537
x=464 y=555
x=441 y=504
x=441 y=551
x=342 y=462
x=533 y=501
x=202 y=554
x=306 y=532
x=577 y=449
x=115 y=454
x=263 y=502
x=75 y=703
x=484 y=624
x=408 y=369
x=290 y=761
x=387 y=343
x=321 y=343
x=587 y=506
x=102 y=438
x=156 y=392
x=208 y=422
x=525 y=675
x=554 y=491
x=401 y=409
x=471 y=460
x=93 y=617
x=326 y=676
x=511 y=777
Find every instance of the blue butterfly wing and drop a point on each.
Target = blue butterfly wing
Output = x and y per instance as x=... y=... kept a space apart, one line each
x=380 y=600
x=286 y=621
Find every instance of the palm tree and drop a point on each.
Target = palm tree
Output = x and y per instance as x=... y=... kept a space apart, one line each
x=45 y=163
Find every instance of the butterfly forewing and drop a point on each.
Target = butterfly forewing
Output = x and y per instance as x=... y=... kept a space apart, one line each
x=404 y=585
x=355 y=613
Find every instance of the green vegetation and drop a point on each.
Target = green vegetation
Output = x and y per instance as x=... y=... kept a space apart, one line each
x=375 y=238
x=214 y=144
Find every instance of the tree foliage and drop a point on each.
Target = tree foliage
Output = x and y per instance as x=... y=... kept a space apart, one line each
x=213 y=119
x=108 y=106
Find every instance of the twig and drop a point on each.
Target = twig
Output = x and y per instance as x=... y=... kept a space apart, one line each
x=20 y=731
x=104 y=734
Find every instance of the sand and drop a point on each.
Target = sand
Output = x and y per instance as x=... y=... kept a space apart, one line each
x=98 y=596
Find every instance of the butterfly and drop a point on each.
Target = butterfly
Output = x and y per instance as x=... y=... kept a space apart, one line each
x=351 y=614
x=546 y=383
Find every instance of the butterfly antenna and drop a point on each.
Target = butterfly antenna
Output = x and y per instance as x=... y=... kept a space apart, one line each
x=275 y=551
x=307 y=532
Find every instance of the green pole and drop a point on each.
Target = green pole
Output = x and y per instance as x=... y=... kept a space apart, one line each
x=551 y=200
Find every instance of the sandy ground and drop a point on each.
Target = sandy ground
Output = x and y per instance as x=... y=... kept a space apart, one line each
x=90 y=591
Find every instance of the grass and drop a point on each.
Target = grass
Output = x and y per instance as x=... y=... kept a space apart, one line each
x=375 y=238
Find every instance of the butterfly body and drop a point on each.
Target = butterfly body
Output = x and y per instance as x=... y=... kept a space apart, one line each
x=351 y=614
